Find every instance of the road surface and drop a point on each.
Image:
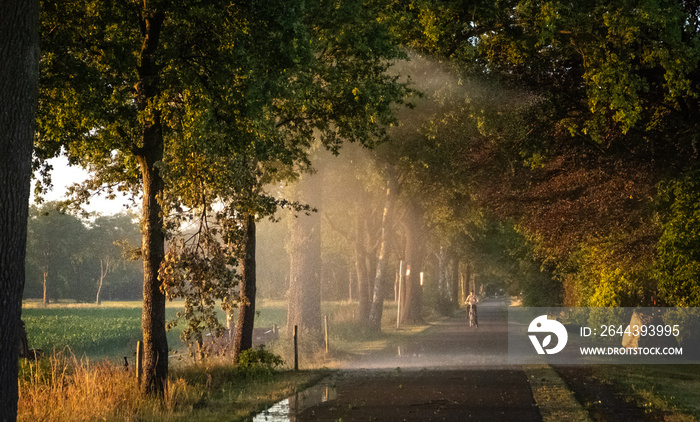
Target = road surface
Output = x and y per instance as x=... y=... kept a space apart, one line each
x=450 y=372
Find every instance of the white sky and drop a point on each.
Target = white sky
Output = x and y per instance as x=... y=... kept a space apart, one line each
x=64 y=176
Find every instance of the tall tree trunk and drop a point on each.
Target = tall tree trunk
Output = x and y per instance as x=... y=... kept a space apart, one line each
x=45 y=300
x=362 y=267
x=466 y=277
x=104 y=267
x=150 y=156
x=243 y=339
x=443 y=300
x=19 y=67
x=375 y=315
x=454 y=282
x=304 y=308
x=412 y=310
x=155 y=342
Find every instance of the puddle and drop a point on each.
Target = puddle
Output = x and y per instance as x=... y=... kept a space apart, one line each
x=287 y=409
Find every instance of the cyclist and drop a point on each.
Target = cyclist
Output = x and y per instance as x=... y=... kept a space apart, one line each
x=471 y=302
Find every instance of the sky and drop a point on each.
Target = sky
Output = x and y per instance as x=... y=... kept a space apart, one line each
x=64 y=175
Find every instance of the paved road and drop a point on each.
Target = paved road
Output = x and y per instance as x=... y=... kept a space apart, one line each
x=448 y=373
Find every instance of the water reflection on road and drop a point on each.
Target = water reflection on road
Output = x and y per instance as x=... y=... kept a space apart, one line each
x=287 y=409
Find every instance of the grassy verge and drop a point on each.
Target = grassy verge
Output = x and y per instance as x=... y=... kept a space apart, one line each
x=63 y=388
x=230 y=395
x=553 y=398
x=670 y=388
x=348 y=338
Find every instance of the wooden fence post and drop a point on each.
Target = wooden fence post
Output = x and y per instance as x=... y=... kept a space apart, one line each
x=325 y=323
x=139 y=359
x=398 y=299
x=296 y=352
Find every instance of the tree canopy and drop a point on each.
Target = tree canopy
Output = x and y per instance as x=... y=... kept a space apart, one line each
x=190 y=104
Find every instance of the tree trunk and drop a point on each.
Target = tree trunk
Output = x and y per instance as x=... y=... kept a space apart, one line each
x=362 y=267
x=150 y=156
x=304 y=308
x=45 y=300
x=454 y=282
x=243 y=339
x=231 y=325
x=466 y=277
x=375 y=315
x=19 y=67
x=155 y=342
x=412 y=310
x=104 y=267
x=443 y=300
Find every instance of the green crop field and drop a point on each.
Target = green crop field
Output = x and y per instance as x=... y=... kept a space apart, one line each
x=92 y=331
x=112 y=329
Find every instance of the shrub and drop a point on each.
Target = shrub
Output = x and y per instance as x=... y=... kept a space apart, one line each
x=260 y=360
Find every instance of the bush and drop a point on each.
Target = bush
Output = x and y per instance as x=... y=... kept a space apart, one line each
x=260 y=360
x=679 y=246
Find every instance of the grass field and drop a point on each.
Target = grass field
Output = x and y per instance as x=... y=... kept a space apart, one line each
x=672 y=388
x=112 y=329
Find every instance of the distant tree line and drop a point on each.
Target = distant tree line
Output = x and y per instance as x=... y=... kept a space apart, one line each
x=81 y=260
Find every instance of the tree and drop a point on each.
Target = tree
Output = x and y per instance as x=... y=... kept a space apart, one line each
x=158 y=102
x=357 y=105
x=304 y=306
x=354 y=191
x=56 y=242
x=333 y=86
x=112 y=75
x=19 y=51
x=613 y=112
x=68 y=257
x=375 y=313
x=109 y=245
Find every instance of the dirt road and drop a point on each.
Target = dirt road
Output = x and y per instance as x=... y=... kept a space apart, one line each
x=450 y=372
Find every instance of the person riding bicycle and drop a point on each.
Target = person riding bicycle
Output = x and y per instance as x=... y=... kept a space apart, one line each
x=471 y=302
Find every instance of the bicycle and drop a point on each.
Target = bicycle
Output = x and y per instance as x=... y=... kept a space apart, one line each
x=473 y=322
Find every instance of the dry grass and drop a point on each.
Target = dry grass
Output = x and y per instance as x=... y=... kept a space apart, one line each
x=63 y=388
x=68 y=304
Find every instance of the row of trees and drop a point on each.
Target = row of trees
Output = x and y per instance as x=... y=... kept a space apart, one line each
x=68 y=258
x=578 y=124
x=197 y=107
x=554 y=149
